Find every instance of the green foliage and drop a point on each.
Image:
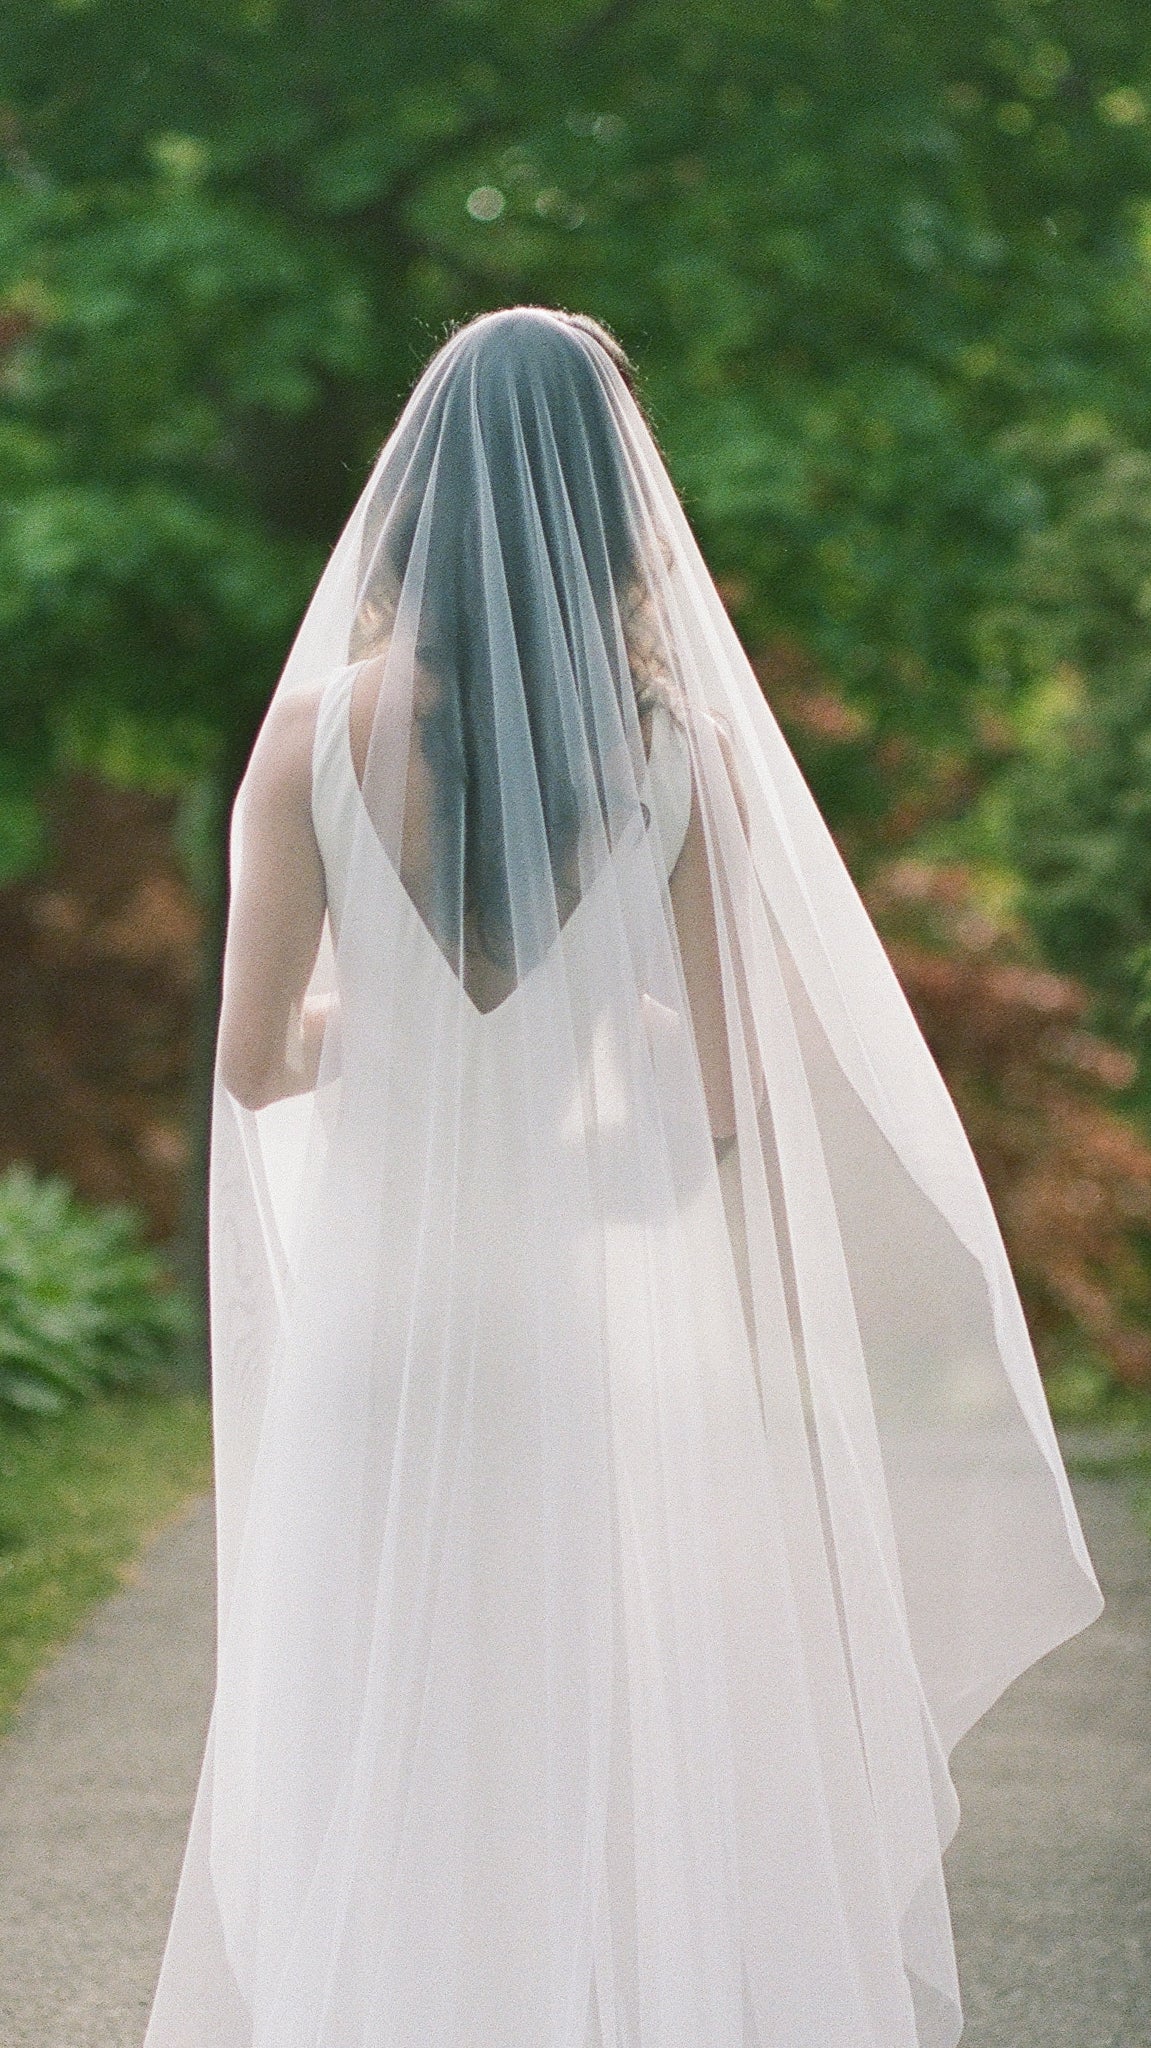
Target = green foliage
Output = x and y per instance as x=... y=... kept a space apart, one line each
x=1077 y=637
x=22 y=834
x=78 y=1493
x=83 y=1305
x=884 y=268
x=879 y=265
x=851 y=251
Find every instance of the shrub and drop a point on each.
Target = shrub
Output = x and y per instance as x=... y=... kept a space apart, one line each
x=84 y=1304
x=1042 y=1096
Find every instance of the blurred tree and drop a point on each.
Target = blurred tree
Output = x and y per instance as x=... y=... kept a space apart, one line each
x=855 y=251
x=1077 y=634
x=849 y=249
x=1040 y=1096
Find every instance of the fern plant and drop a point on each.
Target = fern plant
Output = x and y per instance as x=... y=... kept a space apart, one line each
x=84 y=1304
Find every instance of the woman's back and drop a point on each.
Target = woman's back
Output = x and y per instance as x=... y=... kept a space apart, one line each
x=339 y=763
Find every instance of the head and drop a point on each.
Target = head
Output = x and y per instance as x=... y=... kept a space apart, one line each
x=499 y=363
x=510 y=546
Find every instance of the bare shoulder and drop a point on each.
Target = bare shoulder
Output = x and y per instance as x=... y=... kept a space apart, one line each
x=281 y=761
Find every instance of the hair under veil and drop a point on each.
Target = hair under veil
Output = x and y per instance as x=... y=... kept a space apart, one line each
x=539 y=412
x=633 y=1474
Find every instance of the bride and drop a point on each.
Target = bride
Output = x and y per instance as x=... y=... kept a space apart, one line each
x=633 y=1475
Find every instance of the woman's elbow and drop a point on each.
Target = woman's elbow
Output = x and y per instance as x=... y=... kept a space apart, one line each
x=249 y=1080
x=248 y=1092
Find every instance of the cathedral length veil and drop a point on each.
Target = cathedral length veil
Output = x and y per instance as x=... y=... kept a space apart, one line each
x=633 y=1472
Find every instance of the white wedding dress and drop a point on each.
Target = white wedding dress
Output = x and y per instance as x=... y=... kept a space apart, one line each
x=672 y=1849
x=633 y=1475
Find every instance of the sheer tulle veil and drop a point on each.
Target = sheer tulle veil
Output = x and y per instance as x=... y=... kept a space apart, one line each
x=633 y=1474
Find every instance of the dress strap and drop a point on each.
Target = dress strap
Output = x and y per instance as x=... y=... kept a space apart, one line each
x=667 y=785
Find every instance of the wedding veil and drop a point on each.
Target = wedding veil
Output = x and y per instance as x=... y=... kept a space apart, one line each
x=633 y=1474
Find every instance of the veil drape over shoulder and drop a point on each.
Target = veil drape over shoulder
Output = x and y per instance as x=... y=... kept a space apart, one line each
x=633 y=1474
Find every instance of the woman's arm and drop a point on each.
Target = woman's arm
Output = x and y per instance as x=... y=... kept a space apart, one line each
x=269 y=1040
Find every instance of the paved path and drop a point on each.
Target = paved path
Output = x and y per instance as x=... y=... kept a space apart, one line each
x=1050 y=1875
x=96 y=1782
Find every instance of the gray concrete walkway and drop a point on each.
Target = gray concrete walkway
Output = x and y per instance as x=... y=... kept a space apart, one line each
x=96 y=1782
x=1050 y=1875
